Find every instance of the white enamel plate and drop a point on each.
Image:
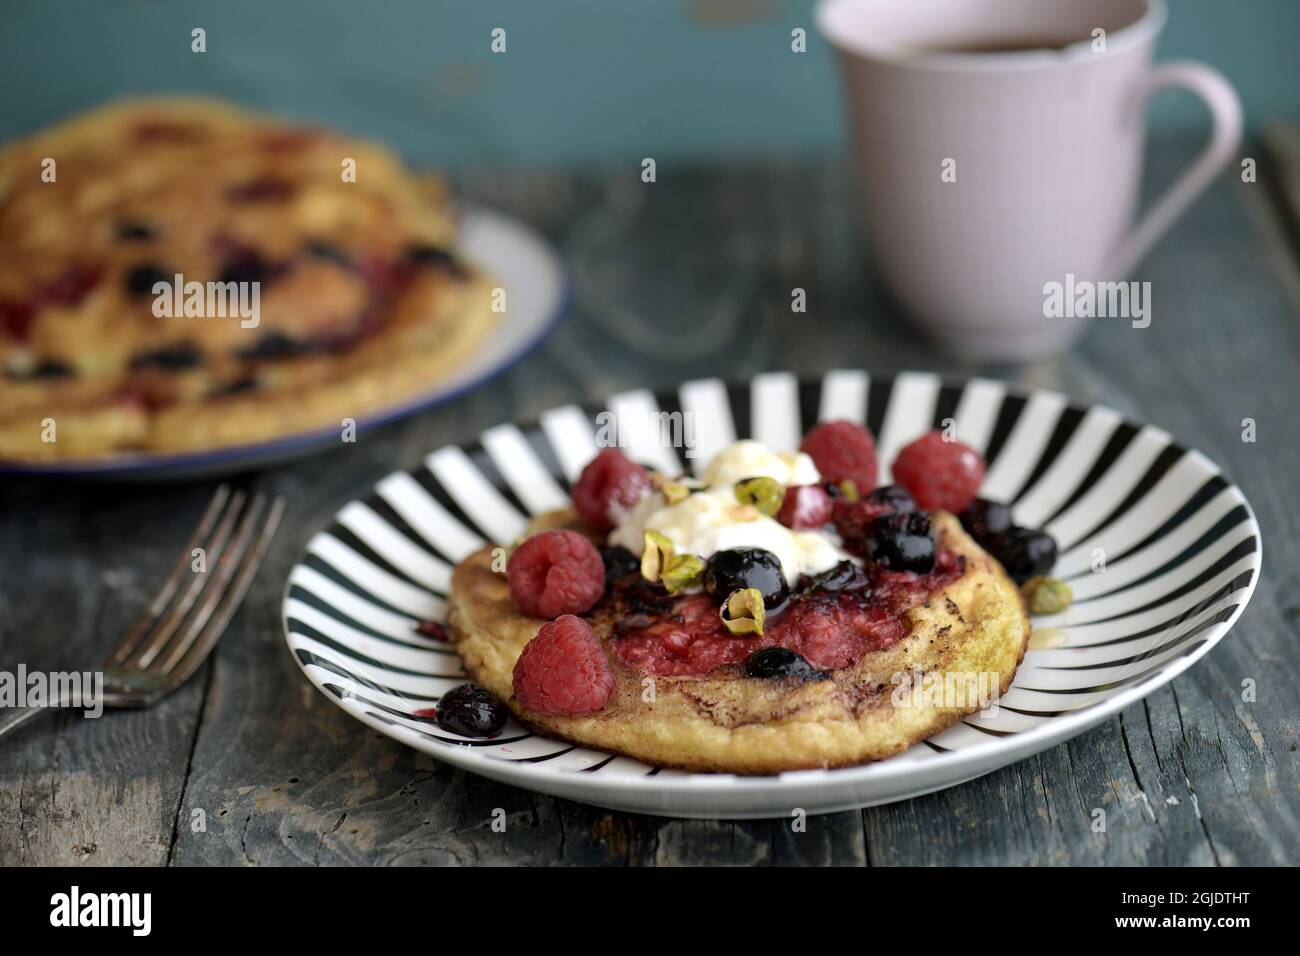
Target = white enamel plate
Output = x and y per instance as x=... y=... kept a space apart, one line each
x=1180 y=544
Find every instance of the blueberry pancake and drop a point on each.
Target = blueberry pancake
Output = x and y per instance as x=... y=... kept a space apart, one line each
x=761 y=618
x=361 y=300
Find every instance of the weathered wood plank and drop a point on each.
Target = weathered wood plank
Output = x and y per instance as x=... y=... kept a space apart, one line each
x=79 y=566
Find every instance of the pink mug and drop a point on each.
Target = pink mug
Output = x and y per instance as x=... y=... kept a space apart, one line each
x=991 y=181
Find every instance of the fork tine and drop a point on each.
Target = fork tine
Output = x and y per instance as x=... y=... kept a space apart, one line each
x=216 y=587
x=168 y=589
x=180 y=607
x=219 y=608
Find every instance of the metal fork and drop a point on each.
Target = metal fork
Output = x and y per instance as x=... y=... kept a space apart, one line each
x=190 y=611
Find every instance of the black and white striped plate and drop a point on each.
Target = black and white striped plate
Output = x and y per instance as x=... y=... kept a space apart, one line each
x=1162 y=553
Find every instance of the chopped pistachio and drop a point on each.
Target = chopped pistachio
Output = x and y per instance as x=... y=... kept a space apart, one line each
x=743 y=612
x=849 y=489
x=682 y=571
x=763 y=493
x=654 y=557
x=1047 y=595
x=675 y=492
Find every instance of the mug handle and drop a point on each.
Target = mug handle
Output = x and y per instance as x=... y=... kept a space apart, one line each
x=1225 y=136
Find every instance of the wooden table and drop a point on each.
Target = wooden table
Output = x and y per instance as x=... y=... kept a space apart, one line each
x=277 y=774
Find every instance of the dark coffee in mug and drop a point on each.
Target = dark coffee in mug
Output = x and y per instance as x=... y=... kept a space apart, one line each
x=1008 y=44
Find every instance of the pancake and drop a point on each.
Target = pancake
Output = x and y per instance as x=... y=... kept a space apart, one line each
x=725 y=721
x=351 y=294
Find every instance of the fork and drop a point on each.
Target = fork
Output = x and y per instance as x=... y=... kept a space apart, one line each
x=189 y=613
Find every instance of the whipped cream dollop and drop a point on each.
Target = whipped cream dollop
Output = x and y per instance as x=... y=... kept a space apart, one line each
x=711 y=518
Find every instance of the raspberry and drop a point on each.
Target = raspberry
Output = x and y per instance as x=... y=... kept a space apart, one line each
x=940 y=474
x=556 y=572
x=611 y=478
x=843 y=451
x=805 y=506
x=677 y=642
x=563 y=670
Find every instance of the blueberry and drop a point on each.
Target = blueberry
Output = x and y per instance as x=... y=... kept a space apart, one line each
x=471 y=712
x=433 y=629
x=643 y=600
x=902 y=542
x=894 y=497
x=170 y=358
x=771 y=662
x=426 y=255
x=739 y=568
x=45 y=369
x=328 y=252
x=619 y=563
x=430 y=255
x=277 y=345
x=1025 y=553
x=134 y=231
x=53 y=368
x=249 y=266
x=142 y=279
x=986 y=520
x=844 y=575
x=239 y=386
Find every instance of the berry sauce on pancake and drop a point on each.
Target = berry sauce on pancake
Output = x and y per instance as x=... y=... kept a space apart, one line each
x=830 y=621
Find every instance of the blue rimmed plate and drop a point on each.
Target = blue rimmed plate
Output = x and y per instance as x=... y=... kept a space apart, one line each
x=538 y=291
x=1162 y=553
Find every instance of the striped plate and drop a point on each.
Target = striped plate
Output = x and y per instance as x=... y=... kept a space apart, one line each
x=1180 y=546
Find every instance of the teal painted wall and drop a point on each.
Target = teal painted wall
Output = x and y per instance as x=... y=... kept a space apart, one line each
x=582 y=82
